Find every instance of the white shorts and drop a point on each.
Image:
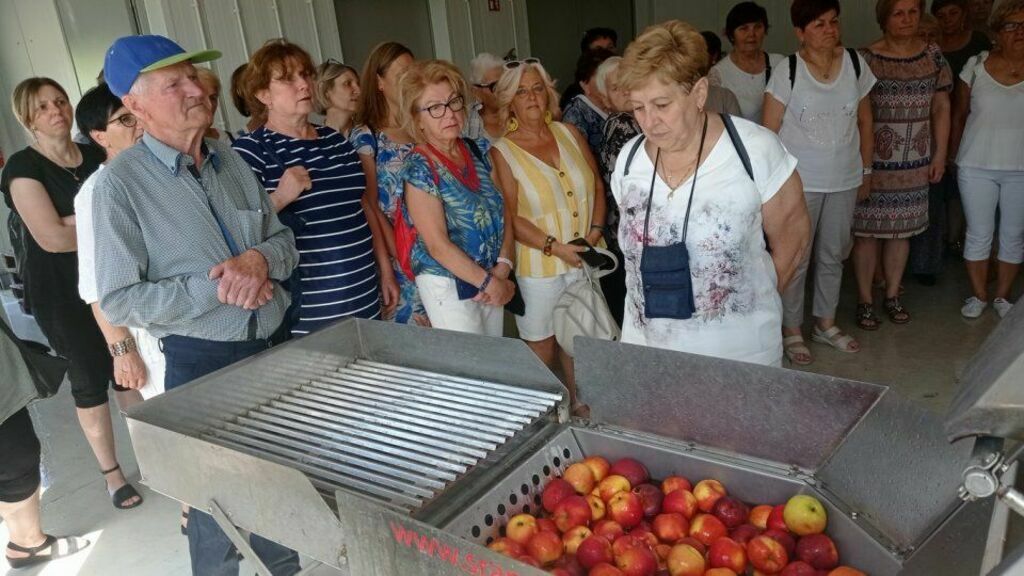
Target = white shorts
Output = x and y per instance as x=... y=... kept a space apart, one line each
x=541 y=295
x=445 y=310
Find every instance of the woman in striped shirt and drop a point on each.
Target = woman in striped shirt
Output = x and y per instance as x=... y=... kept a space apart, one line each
x=317 y=185
x=552 y=187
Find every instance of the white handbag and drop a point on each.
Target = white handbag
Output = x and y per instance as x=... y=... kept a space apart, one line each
x=582 y=309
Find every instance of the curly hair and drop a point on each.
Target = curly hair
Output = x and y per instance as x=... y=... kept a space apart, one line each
x=415 y=81
x=508 y=85
x=673 y=51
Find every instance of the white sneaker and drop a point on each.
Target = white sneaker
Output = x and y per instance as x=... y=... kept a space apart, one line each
x=973 y=307
x=1002 y=307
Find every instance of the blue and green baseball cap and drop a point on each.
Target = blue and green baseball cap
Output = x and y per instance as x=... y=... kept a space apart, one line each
x=130 y=56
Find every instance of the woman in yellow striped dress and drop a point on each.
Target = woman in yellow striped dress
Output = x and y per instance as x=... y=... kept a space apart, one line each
x=551 y=183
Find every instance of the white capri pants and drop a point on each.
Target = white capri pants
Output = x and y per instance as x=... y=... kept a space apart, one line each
x=541 y=295
x=981 y=192
x=445 y=310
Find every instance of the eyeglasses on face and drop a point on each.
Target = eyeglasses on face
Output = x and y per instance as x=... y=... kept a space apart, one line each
x=1011 y=26
x=456 y=104
x=128 y=120
x=513 y=64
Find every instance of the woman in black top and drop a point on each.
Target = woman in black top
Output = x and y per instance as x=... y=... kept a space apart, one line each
x=39 y=184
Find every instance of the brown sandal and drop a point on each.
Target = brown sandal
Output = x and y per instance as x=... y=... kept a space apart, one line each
x=866 y=317
x=897 y=313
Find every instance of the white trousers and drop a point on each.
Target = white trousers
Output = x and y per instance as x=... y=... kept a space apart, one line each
x=981 y=193
x=445 y=310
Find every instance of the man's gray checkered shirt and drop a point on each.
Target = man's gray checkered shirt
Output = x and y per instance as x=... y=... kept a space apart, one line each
x=157 y=239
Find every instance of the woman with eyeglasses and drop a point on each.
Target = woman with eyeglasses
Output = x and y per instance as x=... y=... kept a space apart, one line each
x=987 y=139
x=555 y=193
x=462 y=255
x=317 y=186
x=39 y=184
x=482 y=119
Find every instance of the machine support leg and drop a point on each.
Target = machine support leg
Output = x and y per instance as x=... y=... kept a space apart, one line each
x=236 y=537
x=996 y=544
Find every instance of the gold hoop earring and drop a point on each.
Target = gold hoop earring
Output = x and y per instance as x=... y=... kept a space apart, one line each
x=548 y=117
x=513 y=124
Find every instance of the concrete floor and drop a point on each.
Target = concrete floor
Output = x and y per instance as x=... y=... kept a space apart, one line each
x=922 y=360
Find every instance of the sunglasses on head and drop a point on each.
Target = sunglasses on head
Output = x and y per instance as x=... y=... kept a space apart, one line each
x=513 y=64
x=333 y=61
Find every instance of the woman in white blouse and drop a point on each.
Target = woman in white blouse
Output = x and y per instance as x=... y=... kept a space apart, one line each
x=748 y=68
x=988 y=125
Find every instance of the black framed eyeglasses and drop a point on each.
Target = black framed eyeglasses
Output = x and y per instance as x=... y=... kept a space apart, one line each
x=456 y=104
x=513 y=64
x=486 y=86
x=128 y=120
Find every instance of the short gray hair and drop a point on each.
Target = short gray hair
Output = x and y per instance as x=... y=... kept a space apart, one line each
x=1003 y=11
x=479 y=66
x=609 y=66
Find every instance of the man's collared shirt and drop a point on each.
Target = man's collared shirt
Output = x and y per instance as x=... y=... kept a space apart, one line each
x=157 y=239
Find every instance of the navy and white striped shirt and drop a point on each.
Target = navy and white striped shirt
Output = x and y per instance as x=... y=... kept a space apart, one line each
x=337 y=268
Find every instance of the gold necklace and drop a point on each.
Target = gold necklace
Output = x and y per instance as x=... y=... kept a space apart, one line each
x=73 y=172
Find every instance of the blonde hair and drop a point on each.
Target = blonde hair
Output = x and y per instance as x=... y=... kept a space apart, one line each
x=609 y=66
x=415 y=81
x=673 y=51
x=326 y=74
x=883 y=8
x=1003 y=11
x=24 y=95
x=507 y=86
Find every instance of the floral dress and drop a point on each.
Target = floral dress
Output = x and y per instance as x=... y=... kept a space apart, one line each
x=582 y=114
x=619 y=129
x=390 y=159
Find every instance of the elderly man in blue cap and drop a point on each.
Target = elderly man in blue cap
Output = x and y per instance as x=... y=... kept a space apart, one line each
x=188 y=247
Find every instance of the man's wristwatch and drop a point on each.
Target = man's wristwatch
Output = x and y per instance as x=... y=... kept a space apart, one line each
x=123 y=347
x=548 y=243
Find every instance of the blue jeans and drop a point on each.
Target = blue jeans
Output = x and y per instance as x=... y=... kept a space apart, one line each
x=211 y=551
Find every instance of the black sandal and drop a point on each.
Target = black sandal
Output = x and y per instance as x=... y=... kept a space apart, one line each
x=866 y=317
x=124 y=493
x=897 y=313
x=72 y=545
x=184 y=524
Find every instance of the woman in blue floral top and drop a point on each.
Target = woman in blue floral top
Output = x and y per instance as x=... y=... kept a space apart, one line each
x=461 y=257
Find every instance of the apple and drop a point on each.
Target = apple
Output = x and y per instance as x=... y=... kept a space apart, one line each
x=580 y=477
x=571 y=512
x=731 y=511
x=819 y=551
x=798 y=568
x=650 y=498
x=612 y=485
x=784 y=538
x=593 y=551
x=744 y=533
x=776 y=521
x=682 y=501
x=521 y=528
x=637 y=561
x=508 y=547
x=708 y=492
x=805 y=515
x=559 y=572
x=645 y=534
x=661 y=551
x=571 y=565
x=632 y=470
x=685 y=560
x=598 y=465
x=727 y=553
x=547 y=525
x=574 y=537
x=555 y=491
x=697 y=544
x=759 y=516
x=846 y=571
x=545 y=547
x=527 y=559
x=605 y=569
x=706 y=528
x=720 y=572
x=597 y=507
x=673 y=483
x=670 y=527
x=766 y=554
x=609 y=529
x=625 y=542
x=625 y=508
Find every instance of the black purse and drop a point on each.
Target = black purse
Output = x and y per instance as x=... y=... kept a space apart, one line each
x=665 y=270
x=47 y=370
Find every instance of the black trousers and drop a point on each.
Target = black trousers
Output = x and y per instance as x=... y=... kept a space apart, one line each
x=19 y=463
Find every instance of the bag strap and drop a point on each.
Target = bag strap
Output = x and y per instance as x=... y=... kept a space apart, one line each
x=597 y=274
x=475 y=150
x=792 y=71
x=854 y=59
x=632 y=153
x=737 y=143
x=767 y=69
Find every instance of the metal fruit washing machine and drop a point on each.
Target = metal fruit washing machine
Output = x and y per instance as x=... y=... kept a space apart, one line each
x=394 y=450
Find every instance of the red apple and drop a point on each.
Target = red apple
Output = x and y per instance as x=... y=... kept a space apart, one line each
x=681 y=501
x=632 y=470
x=597 y=507
x=784 y=538
x=846 y=571
x=555 y=491
x=650 y=498
x=609 y=529
x=759 y=516
x=819 y=551
x=625 y=508
x=727 y=553
x=645 y=534
x=574 y=537
x=598 y=465
x=720 y=572
x=776 y=521
x=507 y=547
x=685 y=560
x=706 y=528
x=661 y=551
x=766 y=554
x=547 y=525
x=612 y=485
x=798 y=568
x=571 y=512
x=593 y=551
x=707 y=493
x=744 y=533
x=673 y=483
x=527 y=559
x=521 y=528
x=697 y=544
x=731 y=511
x=670 y=527
x=637 y=561
x=625 y=542
x=545 y=547
x=559 y=572
x=581 y=477
x=605 y=569
x=805 y=515
x=571 y=565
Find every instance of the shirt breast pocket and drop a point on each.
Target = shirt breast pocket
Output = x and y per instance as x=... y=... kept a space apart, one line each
x=250 y=223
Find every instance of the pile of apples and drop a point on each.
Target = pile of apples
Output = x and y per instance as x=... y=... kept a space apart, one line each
x=609 y=519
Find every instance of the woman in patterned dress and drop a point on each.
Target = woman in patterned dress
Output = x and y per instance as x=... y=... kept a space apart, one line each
x=910 y=104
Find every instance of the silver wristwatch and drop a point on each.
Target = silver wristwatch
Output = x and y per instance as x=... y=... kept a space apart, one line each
x=123 y=347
